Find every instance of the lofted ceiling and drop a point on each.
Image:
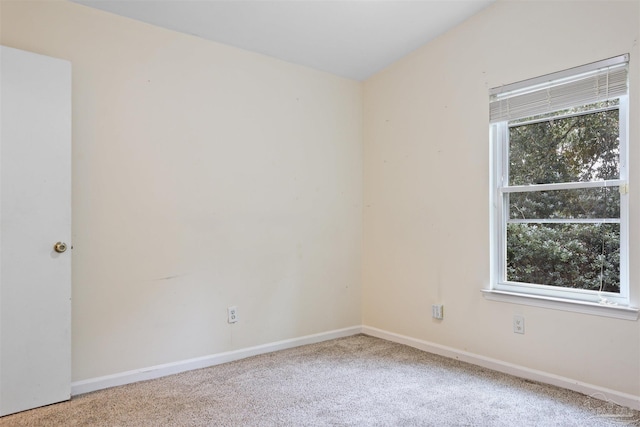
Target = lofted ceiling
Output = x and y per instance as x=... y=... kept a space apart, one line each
x=349 y=38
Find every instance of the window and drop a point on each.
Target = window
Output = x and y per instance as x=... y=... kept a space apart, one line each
x=559 y=185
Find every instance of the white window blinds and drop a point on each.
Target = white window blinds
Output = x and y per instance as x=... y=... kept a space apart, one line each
x=596 y=82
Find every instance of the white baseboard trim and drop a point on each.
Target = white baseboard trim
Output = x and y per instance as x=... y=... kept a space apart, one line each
x=602 y=393
x=99 y=383
x=158 y=371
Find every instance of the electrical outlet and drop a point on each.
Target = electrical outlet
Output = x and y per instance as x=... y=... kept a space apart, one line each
x=437 y=311
x=232 y=314
x=518 y=324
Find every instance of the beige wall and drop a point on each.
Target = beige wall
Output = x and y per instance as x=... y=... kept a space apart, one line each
x=203 y=176
x=426 y=199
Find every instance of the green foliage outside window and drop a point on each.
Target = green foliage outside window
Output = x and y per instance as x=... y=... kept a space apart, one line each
x=545 y=246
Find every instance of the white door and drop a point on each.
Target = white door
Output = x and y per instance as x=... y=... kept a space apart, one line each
x=35 y=214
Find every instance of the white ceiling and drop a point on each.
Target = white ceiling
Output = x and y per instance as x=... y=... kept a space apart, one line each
x=349 y=38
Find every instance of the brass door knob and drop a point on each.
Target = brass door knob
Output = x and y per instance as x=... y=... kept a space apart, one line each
x=60 y=247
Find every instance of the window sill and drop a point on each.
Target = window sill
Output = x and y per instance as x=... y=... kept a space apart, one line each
x=615 y=311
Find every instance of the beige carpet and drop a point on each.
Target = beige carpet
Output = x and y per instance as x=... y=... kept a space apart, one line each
x=354 y=381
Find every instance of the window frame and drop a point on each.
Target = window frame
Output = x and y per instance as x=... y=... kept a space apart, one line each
x=502 y=289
